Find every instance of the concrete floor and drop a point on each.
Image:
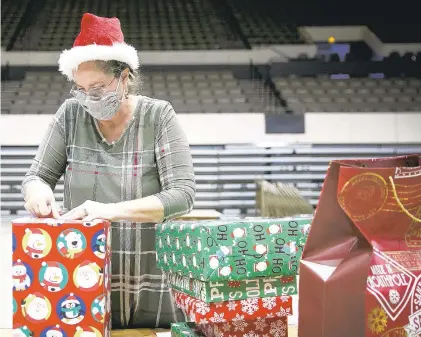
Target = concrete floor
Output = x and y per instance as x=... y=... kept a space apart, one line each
x=6 y=281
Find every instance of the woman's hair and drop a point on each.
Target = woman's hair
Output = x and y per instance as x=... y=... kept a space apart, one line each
x=115 y=68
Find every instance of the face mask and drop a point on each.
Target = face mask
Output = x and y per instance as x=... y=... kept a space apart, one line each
x=103 y=108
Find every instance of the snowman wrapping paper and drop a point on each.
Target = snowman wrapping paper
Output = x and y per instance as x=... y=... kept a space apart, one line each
x=61 y=278
x=234 y=249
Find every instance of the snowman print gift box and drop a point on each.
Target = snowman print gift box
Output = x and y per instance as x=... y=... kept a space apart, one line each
x=60 y=275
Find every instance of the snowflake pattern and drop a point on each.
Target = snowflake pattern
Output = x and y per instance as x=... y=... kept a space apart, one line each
x=250 y=334
x=269 y=302
x=226 y=327
x=394 y=296
x=218 y=318
x=284 y=312
x=238 y=323
x=260 y=323
x=249 y=305
x=278 y=328
x=202 y=307
x=231 y=305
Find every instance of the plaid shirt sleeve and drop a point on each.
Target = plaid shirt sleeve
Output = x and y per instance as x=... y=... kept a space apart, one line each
x=50 y=160
x=175 y=165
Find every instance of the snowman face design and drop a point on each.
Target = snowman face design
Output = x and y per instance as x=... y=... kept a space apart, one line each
x=261 y=266
x=37 y=309
x=54 y=275
x=238 y=232
x=37 y=242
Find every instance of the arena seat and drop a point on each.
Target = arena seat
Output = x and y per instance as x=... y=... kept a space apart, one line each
x=263 y=22
x=147 y=24
x=42 y=92
x=226 y=176
x=324 y=94
x=11 y=14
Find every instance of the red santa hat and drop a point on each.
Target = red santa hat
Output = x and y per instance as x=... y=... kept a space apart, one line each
x=99 y=39
x=50 y=264
x=34 y=231
x=18 y=263
x=70 y=299
x=55 y=328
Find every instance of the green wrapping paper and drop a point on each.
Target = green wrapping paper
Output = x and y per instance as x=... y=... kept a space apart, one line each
x=235 y=249
x=220 y=291
x=184 y=330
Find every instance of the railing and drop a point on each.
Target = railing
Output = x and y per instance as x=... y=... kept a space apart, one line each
x=225 y=175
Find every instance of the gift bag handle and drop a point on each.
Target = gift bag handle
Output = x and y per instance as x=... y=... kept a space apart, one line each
x=395 y=194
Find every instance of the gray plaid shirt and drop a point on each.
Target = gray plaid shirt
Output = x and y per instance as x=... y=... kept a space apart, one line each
x=151 y=158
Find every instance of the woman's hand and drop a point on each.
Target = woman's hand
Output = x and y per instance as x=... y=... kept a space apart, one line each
x=91 y=210
x=40 y=201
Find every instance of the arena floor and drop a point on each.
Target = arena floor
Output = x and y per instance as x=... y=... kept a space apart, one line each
x=6 y=285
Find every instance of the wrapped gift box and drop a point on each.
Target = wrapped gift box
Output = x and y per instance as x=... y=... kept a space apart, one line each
x=232 y=249
x=220 y=291
x=184 y=330
x=61 y=283
x=268 y=327
x=249 y=309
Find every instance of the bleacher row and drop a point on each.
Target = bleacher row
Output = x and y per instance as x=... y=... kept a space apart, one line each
x=221 y=91
x=226 y=176
x=186 y=24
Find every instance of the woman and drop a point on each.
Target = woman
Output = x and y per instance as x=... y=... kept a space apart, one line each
x=125 y=158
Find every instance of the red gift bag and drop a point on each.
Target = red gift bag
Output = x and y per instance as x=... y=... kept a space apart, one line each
x=61 y=278
x=360 y=273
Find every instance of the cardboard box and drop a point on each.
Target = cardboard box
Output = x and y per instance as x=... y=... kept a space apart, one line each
x=61 y=278
x=220 y=291
x=235 y=249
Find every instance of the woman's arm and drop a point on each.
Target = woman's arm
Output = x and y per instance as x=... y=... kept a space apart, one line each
x=176 y=174
x=46 y=169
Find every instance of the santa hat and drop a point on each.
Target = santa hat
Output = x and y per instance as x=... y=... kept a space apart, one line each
x=18 y=263
x=55 y=328
x=50 y=264
x=34 y=231
x=70 y=299
x=100 y=39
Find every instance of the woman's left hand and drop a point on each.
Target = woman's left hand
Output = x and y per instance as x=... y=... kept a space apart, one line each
x=91 y=210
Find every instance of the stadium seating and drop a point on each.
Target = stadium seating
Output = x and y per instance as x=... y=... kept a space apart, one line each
x=147 y=24
x=226 y=176
x=331 y=94
x=188 y=91
x=11 y=14
x=263 y=22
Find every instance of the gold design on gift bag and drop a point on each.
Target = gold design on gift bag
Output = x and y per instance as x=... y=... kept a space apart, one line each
x=400 y=204
x=377 y=320
x=413 y=234
x=363 y=196
x=395 y=332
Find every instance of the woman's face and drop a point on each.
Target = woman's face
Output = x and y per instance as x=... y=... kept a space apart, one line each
x=90 y=78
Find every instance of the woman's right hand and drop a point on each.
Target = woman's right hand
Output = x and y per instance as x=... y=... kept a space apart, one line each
x=40 y=201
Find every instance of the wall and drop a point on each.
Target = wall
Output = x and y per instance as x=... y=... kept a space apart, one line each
x=370 y=128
